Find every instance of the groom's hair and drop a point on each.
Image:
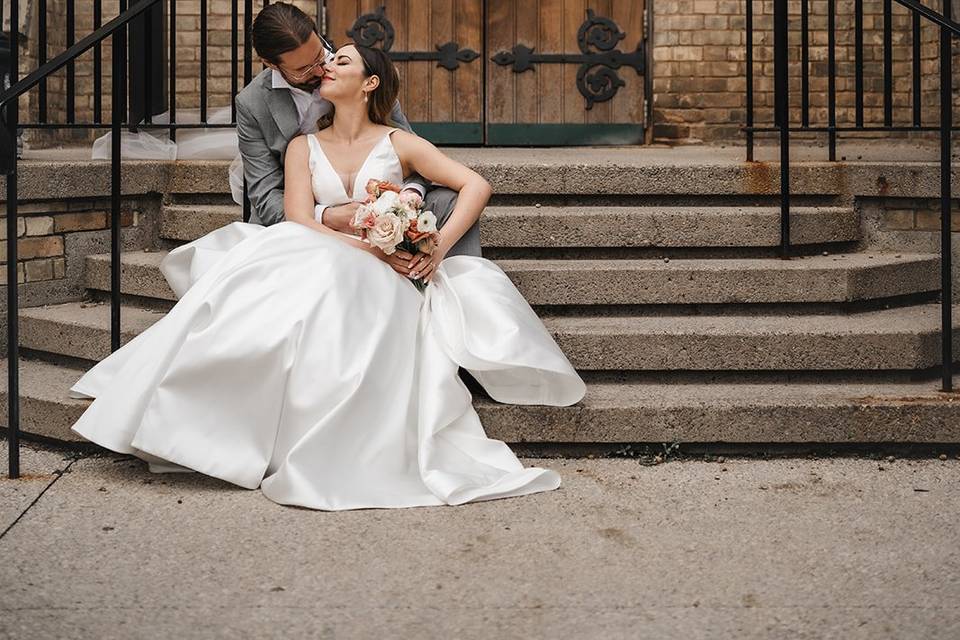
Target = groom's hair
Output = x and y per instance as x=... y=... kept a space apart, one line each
x=278 y=28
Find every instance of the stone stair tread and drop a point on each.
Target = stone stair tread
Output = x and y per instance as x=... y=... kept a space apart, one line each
x=816 y=262
x=134 y=258
x=830 y=278
x=45 y=381
x=629 y=412
x=899 y=338
x=910 y=320
x=889 y=339
x=204 y=208
x=840 y=260
x=708 y=209
x=894 y=321
x=600 y=226
x=608 y=395
x=80 y=330
x=830 y=412
x=132 y=319
x=46 y=408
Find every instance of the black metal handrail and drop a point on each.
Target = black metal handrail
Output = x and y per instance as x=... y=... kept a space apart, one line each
x=115 y=29
x=133 y=108
x=949 y=29
x=50 y=67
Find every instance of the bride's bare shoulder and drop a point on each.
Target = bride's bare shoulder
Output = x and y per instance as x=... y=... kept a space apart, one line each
x=408 y=143
x=298 y=143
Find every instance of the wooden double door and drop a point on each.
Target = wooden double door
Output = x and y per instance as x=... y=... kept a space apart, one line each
x=509 y=72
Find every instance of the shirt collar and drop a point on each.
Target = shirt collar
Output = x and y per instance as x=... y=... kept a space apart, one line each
x=279 y=82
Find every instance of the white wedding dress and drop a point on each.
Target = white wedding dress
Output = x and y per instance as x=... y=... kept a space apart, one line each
x=298 y=364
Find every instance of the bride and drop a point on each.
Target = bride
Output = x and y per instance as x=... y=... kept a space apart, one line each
x=305 y=362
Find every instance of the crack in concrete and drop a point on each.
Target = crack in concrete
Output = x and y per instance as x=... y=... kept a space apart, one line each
x=56 y=477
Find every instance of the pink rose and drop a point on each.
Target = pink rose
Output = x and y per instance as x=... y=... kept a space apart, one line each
x=411 y=199
x=363 y=218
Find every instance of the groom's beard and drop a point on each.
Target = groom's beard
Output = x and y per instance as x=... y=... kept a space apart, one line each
x=308 y=86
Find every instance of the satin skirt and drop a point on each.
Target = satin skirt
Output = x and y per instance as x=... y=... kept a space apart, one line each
x=301 y=365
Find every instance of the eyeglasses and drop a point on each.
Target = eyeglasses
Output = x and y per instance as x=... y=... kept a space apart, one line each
x=325 y=54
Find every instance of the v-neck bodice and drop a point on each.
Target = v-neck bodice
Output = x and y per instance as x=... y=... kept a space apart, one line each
x=382 y=163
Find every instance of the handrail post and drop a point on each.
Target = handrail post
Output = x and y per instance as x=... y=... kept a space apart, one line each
x=782 y=111
x=247 y=76
x=13 y=306
x=119 y=54
x=749 y=65
x=946 y=249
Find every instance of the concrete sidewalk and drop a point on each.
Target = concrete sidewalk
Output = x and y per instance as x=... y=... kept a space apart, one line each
x=745 y=548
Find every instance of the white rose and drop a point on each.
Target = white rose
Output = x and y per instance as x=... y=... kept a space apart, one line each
x=427 y=222
x=388 y=201
x=387 y=232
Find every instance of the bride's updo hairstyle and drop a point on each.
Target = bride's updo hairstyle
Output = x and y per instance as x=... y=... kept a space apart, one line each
x=377 y=63
x=380 y=101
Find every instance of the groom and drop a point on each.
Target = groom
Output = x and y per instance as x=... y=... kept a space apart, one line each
x=282 y=102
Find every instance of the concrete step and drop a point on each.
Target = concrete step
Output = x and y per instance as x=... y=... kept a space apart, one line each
x=841 y=278
x=810 y=279
x=46 y=409
x=139 y=274
x=80 y=330
x=621 y=412
x=625 y=412
x=890 y=339
x=611 y=226
x=188 y=222
x=586 y=172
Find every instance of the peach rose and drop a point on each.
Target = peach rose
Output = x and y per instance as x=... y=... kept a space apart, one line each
x=387 y=232
x=376 y=187
x=414 y=234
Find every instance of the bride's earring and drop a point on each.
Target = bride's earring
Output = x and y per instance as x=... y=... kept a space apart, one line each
x=365 y=97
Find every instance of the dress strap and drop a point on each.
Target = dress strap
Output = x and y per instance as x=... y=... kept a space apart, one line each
x=312 y=143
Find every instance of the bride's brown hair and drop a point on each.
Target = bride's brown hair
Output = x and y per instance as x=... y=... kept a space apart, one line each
x=381 y=100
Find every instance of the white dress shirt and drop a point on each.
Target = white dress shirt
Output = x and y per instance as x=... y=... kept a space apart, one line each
x=310 y=108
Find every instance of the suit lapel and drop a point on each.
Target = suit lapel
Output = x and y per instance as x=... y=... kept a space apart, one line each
x=284 y=112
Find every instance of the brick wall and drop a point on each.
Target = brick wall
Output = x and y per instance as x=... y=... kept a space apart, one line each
x=700 y=66
x=917 y=214
x=41 y=236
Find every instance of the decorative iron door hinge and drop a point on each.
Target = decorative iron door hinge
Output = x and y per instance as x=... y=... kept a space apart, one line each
x=371 y=28
x=595 y=84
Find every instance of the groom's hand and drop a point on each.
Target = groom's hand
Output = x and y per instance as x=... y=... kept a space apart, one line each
x=339 y=217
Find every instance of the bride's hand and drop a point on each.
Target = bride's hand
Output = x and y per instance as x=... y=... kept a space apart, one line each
x=425 y=265
x=398 y=260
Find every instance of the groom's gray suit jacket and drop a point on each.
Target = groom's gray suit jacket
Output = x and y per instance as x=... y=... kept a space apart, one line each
x=267 y=121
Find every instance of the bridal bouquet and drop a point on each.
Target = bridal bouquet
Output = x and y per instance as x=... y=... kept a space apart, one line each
x=392 y=220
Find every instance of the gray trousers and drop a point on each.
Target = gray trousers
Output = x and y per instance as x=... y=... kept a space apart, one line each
x=441 y=201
